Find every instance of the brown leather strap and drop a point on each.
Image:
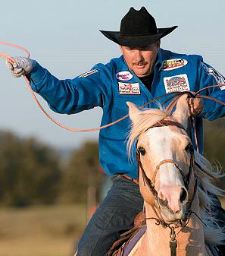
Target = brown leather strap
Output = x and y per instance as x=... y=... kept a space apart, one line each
x=165 y=161
x=129 y=178
x=168 y=122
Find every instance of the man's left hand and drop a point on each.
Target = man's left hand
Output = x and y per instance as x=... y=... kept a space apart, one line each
x=195 y=106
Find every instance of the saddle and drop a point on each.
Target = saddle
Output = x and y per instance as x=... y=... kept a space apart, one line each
x=124 y=245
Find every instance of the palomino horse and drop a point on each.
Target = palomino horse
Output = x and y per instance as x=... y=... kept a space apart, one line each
x=175 y=182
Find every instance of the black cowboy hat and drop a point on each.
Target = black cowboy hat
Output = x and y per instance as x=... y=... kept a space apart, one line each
x=137 y=29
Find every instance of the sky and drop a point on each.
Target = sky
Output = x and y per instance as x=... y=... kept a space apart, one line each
x=64 y=37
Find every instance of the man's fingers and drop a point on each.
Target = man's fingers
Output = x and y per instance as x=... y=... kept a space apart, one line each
x=20 y=65
x=195 y=105
x=15 y=64
x=9 y=65
x=19 y=75
x=15 y=68
x=18 y=70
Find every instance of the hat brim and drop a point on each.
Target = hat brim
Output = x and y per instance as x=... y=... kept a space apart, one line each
x=137 y=41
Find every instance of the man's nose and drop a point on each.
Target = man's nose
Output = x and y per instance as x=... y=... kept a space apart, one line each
x=138 y=56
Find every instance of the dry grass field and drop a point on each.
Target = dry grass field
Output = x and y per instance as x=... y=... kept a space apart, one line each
x=40 y=231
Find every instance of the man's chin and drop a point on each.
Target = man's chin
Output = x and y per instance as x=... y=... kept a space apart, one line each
x=141 y=72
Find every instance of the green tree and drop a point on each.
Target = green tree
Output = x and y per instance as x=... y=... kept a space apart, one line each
x=82 y=172
x=29 y=171
x=215 y=141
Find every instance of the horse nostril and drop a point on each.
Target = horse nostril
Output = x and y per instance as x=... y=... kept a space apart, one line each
x=183 y=195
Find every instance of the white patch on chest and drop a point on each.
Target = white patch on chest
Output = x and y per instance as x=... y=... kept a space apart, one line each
x=178 y=83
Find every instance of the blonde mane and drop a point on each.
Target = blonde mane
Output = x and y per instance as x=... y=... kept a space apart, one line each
x=206 y=174
x=145 y=120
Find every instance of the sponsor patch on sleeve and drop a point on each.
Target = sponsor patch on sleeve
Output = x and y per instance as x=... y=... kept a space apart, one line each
x=173 y=64
x=178 y=83
x=88 y=73
x=220 y=79
x=129 y=88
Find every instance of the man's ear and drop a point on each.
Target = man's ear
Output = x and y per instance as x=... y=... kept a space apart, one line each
x=158 y=43
x=121 y=49
x=133 y=111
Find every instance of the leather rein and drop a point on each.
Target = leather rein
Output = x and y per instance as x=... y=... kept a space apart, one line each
x=151 y=186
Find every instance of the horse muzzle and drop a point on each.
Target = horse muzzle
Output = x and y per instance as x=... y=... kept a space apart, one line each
x=172 y=201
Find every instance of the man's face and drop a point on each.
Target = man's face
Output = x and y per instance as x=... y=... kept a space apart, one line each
x=141 y=60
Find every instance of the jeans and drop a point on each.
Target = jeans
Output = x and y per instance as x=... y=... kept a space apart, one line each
x=114 y=216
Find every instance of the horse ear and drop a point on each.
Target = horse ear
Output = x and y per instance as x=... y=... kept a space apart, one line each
x=133 y=111
x=182 y=113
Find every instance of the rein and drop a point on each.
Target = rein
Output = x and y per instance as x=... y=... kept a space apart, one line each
x=71 y=129
x=151 y=185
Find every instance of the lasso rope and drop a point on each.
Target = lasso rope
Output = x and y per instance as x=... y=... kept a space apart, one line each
x=11 y=60
x=71 y=129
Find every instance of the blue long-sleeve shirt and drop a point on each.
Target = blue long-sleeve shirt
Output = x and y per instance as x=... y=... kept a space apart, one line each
x=111 y=85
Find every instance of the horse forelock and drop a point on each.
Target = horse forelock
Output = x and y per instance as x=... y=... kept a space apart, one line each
x=145 y=120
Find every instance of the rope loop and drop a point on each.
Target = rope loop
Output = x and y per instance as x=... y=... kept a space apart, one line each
x=174 y=96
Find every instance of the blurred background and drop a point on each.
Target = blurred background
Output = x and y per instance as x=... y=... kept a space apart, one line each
x=50 y=179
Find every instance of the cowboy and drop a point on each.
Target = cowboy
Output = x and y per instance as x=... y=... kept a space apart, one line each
x=143 y=72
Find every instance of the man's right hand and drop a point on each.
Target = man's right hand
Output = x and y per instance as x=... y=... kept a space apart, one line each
x=20 y=66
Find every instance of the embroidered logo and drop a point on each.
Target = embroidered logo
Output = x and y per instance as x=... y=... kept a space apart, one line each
x=173 y=64
x=220 y=79
x=124 y=76
x=128 y=88
x=88 y=73
x=177 y=83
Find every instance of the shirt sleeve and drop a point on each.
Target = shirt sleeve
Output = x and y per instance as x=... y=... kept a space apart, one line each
x=71 y=95
x=210 y=77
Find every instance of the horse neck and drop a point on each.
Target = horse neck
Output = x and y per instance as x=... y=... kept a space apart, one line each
x=190 y=239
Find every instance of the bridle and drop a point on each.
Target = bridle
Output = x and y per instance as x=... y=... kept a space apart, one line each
x=150 y=183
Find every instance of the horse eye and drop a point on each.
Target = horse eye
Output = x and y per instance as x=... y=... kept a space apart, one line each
x=141 y=150
x=189 y=147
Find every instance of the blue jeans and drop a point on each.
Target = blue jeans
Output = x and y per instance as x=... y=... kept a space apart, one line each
x=114 y=216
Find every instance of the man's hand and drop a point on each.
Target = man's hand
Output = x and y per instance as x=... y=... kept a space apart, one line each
x=20 y=66
x=195 y=106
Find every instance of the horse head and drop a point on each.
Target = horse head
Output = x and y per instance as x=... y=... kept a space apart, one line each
x=165 y=157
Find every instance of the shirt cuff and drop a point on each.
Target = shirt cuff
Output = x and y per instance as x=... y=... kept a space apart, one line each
x=37 y=76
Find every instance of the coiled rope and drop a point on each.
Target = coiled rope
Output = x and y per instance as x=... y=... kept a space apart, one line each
x=175 y=95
